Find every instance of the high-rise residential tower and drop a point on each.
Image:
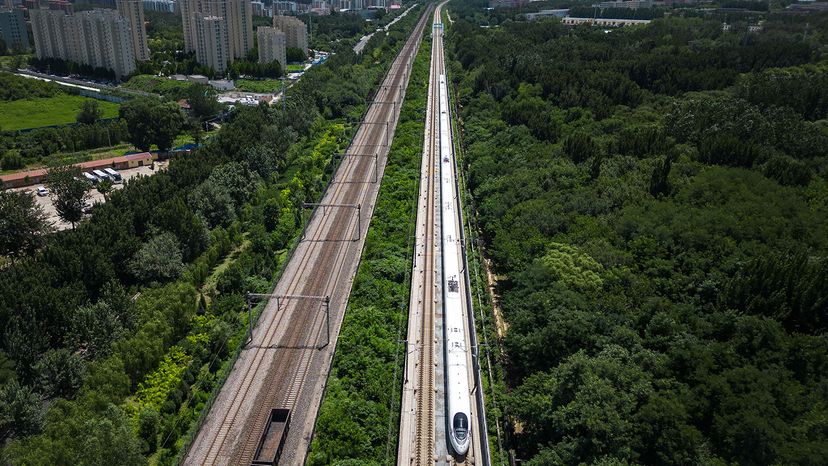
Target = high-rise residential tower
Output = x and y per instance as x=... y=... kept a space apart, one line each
x=13 y=29
x=271 y=45
x=133 y=12
x=212 y=42
x=98 y=38
x=296 y=33
x=237 y=16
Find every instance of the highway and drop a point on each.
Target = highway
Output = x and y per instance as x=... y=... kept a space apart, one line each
x=423 y=423
x=286 y=363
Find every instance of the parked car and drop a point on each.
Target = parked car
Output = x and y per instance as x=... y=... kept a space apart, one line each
x=42 y=191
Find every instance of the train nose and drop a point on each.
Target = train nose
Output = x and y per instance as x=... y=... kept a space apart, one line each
x=460 y=427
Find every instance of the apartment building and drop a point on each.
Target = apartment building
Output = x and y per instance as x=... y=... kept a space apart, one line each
x=163 y=6
x=98 y=38
x=296 y=33
x=283 y=7
x=272 y=45
x=13 y=29
x=237 y=16
x=133 y=12
x=212 y=42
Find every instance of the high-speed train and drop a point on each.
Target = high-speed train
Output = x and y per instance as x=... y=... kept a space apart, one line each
x=457 y=382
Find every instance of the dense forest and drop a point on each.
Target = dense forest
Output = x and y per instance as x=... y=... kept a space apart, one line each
x=654 y=202
x=116 y=333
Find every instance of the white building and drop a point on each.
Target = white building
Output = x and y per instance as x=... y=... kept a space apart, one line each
x=281 y=7
x=272 y=45
x=296 y=33
x=162 y=6
x=258 y=8
x=98 y=38
x=237 y=16
x=212 y=42
x=133 y=12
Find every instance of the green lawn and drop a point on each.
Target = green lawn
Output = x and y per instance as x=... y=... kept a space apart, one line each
x=295 y=68
x=157 y=84
x=58 y=110
x=264 y=86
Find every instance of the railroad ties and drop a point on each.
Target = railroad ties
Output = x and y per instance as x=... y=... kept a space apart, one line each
x=439 y=299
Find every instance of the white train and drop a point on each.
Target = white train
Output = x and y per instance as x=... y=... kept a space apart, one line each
x=457 y=382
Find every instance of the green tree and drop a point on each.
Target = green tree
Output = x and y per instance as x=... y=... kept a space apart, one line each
x=138 y=115
x=21 y=413
x=262 y=160
x=12 y=160
x=69 y=192
x=168 y=124
x=23 y=224
x=152 y=122
x=174 y=216
x=105 y=187
x=580 y=147
x=271 y=212
x=60 y=373
x=94 y=327
x=89 y=113
x=293 y=54
x=202 y=100
x=159 y=259
x=6 y=369
x=195 y=131
x=85 y=434
x=148 y=420
x=659 y=181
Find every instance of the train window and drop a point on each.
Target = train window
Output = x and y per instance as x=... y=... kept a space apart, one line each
x=461 y=426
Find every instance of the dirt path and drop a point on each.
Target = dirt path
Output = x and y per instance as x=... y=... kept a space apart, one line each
x=491 y=285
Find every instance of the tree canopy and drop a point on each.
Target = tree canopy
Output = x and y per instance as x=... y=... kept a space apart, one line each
x=653 y=200
x=151 y=121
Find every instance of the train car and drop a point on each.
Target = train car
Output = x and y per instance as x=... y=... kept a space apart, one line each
x=273 y=438
x=456 y=357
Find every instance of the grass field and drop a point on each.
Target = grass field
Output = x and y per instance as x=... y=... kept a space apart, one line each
x=157 y=84
x=294 y=68
x=265 y=86
x=58 y=110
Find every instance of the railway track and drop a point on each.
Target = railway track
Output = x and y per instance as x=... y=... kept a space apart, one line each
x=425 y=419
x=417 y=433
x=271 y=371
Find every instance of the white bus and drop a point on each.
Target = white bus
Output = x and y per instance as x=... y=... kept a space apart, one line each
x=101 y=175
x=116 y=177
x=90 y=178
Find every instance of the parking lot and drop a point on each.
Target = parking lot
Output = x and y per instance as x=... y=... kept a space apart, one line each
x=95 y=197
